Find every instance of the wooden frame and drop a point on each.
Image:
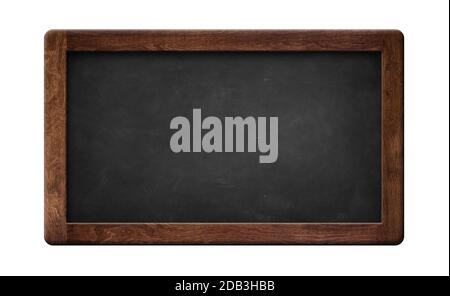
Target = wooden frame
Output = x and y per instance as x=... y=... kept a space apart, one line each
x=389 y=231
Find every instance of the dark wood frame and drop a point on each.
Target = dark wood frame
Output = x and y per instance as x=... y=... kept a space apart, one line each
x=389 y=231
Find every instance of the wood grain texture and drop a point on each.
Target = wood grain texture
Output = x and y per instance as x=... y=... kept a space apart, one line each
x=312 y=40
x=58 y=231
x=225 y=233
x=55 y=137
x=392 y=137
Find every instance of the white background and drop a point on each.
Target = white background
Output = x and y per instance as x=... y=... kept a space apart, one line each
x=425 y=250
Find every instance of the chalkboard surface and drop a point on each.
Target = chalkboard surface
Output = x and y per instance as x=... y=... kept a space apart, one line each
x=121 y=168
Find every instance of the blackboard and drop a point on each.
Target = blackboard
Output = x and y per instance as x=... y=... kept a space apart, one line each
x=121 y=167
x=224 y=137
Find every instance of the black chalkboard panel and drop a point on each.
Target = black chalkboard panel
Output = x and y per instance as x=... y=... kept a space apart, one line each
x=121 y=168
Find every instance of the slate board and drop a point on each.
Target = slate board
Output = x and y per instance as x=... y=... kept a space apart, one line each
x=120 y=166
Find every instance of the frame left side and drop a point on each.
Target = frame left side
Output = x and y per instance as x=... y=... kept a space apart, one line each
x=55 y=53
